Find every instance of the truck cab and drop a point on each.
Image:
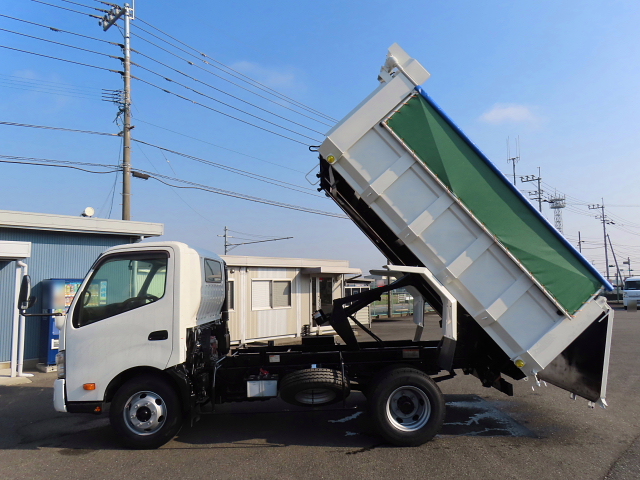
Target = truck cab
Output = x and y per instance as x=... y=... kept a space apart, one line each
x=132 y=312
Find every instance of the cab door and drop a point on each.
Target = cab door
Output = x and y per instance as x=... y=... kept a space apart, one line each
x=122 y=318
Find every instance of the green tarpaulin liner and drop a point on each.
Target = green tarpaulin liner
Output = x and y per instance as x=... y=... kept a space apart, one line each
x=444 y=149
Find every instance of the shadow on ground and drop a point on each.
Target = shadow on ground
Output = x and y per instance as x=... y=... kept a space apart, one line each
x=28 y=421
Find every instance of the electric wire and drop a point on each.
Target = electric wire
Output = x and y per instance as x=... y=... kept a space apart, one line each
x=215 y=88
x=254 y=176
x=241 y=76
x=65 y=8
x=85 y=6
x=231 y=106
x=173 y=189
x=46 y=127
x=244 y=173
x=54 y=165
x=218 y=146
x=50 y=84
x=37 y=159
x=31 y=89
x=63 y=44
x=158 y=176
x=227 y=80
x=206 y=188
x=222 y=113
x=60 y=59
x=59 y=30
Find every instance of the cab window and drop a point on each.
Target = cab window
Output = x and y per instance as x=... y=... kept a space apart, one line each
x=212 y=271
x=122 y=283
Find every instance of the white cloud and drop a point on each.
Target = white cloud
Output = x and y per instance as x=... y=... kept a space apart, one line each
x=509 y=113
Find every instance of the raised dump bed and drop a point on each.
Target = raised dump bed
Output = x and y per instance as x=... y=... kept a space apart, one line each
x=427 y=197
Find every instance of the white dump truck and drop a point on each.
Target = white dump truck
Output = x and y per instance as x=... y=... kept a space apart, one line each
x=147 y=332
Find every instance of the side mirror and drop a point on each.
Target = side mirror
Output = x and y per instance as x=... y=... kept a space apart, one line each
x=24 y=298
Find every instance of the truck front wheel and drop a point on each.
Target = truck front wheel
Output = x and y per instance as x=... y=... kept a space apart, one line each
x=145 y=412
x=407 y=407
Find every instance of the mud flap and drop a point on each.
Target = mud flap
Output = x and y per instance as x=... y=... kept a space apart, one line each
x=582 y=367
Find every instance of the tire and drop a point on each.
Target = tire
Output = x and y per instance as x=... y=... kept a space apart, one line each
x=145 y=412
x=406 y=407
x=314 y=387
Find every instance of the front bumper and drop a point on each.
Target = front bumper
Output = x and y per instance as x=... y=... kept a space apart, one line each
x=59 y=400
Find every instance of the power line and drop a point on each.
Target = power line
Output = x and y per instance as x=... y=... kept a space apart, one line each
x=59 y=30
x=36 y=159
x=244 y=173
x=222 y=113
x=245 y=79
x=217 y=89
x=173 y=189
x=50 y=84
x=50 y=92
x=46 y=127
x=219 y=146
x=60 y=43
x=225 y=79
x=158 y=176
x=65 y=8
x=231 y=106
x=83 y=5
x=60 y=59
x=198 y=186
x=53 y=165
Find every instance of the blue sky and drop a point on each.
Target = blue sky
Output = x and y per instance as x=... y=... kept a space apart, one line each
x=563 y=76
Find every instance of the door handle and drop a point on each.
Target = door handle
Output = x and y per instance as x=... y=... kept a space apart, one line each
x=158 y=335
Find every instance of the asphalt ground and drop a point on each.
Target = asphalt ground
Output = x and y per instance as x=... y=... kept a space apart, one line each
x=537 y=434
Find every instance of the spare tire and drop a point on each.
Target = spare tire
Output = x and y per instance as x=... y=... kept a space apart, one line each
x=313 y=387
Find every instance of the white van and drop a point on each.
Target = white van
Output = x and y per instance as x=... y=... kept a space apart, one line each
x=631 y=290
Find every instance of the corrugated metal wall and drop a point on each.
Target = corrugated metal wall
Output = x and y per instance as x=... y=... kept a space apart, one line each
x=53 y=255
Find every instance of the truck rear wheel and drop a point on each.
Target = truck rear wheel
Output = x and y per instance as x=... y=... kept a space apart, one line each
x=407 y=407
x=314 y=387
x=145 y=412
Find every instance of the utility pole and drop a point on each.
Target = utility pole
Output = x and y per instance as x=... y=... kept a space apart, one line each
x=515 y=159
x=580 y=241
x=628 y=263
x=533 y=178
x=618 y=274
x=605 y=221
x=234 y=245
x=107 y=21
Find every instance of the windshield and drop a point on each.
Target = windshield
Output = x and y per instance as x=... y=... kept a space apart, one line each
x=122 y=283
x=632 y=285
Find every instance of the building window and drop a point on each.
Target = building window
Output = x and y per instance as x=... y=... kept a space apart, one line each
x=231 y=295
x=269 y=294
x=280 y=294
x=212 y=271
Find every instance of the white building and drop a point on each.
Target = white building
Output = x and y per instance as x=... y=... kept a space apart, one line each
x=272 y=297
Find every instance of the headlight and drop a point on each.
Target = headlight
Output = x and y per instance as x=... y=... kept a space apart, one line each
x=60 y=363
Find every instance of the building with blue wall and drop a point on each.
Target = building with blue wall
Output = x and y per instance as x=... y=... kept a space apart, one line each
x=51 y=246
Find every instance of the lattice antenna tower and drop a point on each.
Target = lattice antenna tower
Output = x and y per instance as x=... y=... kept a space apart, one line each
x=557 y=203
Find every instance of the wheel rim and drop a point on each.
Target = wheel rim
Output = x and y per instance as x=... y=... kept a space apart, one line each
x=408 y=408
x=145 y=413
x=314 y=396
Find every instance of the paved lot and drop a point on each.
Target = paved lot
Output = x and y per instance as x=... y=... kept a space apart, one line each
x=537 y=435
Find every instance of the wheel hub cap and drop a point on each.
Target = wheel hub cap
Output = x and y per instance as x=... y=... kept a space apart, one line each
x=408 y=408
x=145 y=413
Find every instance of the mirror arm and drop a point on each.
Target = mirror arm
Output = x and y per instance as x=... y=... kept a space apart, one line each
x=57 y=314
